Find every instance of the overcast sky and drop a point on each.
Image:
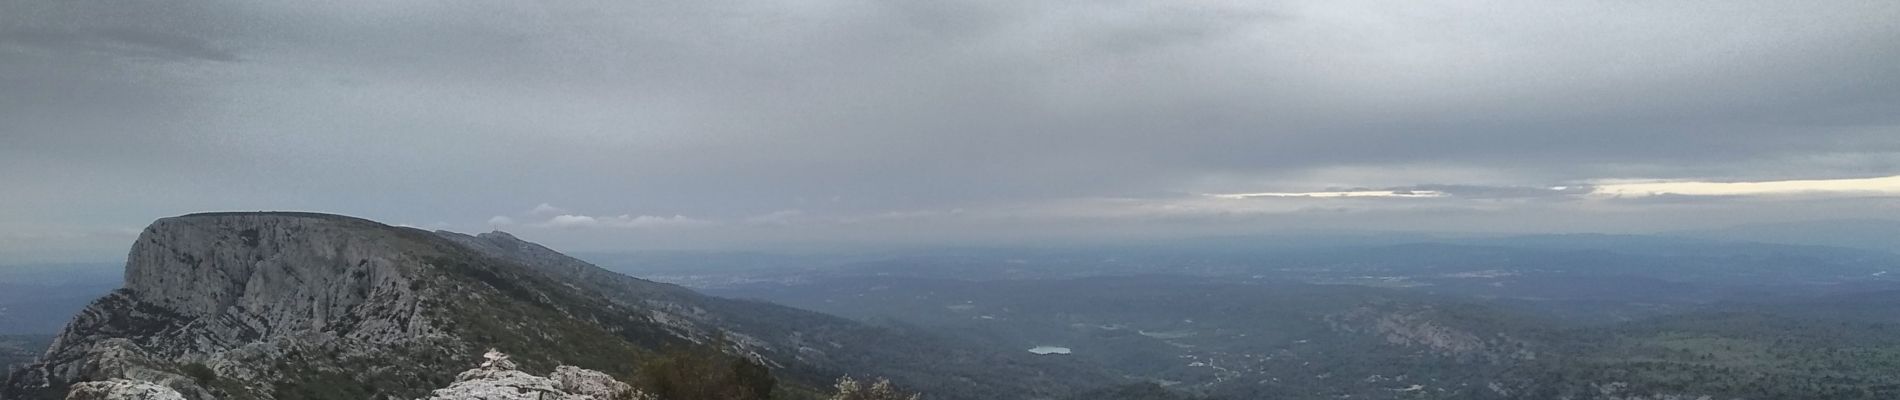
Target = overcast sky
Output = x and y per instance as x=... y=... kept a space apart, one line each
x=713 y=124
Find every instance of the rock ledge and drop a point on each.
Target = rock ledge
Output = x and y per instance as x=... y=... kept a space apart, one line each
x=497 y=379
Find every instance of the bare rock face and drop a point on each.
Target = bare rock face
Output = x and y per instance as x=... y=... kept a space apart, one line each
x=497 y=379
x=226 y=293
x=288 y=273
x=593 y=383
x=122 y=389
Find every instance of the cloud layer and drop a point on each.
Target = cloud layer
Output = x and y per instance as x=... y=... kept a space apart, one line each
x=1851 y=187
x=953 y=121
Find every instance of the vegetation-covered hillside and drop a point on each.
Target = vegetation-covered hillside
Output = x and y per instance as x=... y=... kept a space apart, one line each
x=1260 y=339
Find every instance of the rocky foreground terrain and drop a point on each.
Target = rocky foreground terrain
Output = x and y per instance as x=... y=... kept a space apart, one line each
x=496 y=379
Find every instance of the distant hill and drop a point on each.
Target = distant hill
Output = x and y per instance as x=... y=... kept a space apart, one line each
x=43 y=309
x=18 y=350
x=40 y=298
x=1238 y=338
x=90 y=274
x=1883 y=235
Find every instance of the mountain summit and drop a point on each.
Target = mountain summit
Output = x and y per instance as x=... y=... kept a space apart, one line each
x=278 y=305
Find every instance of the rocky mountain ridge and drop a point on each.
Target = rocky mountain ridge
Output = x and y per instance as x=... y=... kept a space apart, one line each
x=317 y=306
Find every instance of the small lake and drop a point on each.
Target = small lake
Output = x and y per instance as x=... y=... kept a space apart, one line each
x=1049 y=350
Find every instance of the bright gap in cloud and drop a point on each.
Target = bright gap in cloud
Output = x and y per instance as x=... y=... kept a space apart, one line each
x=1884 y=186
x=1337 y=194
x=621 y=221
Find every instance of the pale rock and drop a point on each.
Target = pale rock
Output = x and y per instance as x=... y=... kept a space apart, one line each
x=122 y=389
x=497 y=379
x=592 y=383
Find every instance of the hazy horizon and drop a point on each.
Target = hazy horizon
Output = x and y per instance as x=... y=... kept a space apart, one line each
x=1826 y=233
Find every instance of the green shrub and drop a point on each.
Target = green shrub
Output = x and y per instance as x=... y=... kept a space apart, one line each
x=199 y=373
x=701 y=373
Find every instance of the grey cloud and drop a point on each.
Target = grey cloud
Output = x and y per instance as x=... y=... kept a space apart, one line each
x=840 y=109
x=120 y=42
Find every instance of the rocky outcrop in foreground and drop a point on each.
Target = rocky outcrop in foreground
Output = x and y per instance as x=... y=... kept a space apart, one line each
x=122 y=389
x=497 y=379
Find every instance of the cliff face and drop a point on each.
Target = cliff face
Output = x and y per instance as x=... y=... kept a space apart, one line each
x=256 y=276
x=216 y=302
